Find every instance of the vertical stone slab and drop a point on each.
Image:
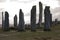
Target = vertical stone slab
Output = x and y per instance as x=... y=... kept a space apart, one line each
x=51 y=20
x=2 y=20
x=21 y=26
x=33 y=18
x=56 y=21
x=15 y=21
x=40 y=14
x=6 y=22
x=47 y=18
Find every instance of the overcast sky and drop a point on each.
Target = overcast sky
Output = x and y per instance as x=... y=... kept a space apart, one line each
x=13 y=6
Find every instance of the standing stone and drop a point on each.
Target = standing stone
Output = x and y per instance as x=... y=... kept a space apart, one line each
x=47 y=19
x=33 y=18
x=21 y=26
x=51 y=20
x=40 y=14
x=56 y=21
x=15 y=21
x=6 y=22
x=2 y=20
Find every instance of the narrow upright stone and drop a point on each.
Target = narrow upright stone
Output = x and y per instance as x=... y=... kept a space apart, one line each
x=6 y=22
x=2 y=20
x=51 y=20
x=40 y=14
x=15 y=21
x=56 y=21
x=21 y=26
x=33 y=18
x=47 y=19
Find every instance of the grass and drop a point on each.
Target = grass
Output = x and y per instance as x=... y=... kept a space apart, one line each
x=28 y=35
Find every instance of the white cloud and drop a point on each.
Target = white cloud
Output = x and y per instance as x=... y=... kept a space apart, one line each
x=2 y=0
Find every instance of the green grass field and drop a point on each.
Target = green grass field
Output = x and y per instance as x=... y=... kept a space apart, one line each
x=54 y=34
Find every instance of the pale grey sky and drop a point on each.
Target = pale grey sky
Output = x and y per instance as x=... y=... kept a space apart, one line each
x=13 y=6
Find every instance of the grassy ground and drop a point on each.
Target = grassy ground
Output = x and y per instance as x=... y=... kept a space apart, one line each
x=54 y=34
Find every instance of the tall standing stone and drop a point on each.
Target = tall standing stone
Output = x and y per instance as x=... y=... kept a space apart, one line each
x=15 y=21
x=6 y=22
x=21 y=26
x=47 y=19
x=40 y=14
x=33 y=18
x=51 y=20
x=2 y=20
x=56 y=21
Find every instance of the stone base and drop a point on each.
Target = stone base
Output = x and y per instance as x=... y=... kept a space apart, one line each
x=47 y=30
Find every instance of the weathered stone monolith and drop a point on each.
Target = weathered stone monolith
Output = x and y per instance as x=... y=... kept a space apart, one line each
x=15 y=21
x=56 y=21
x=33 y=18
x=47 y=19
x=2 y=20
x=21 y=26
x=51 y=20
x=40 y=14
x=6 y=22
